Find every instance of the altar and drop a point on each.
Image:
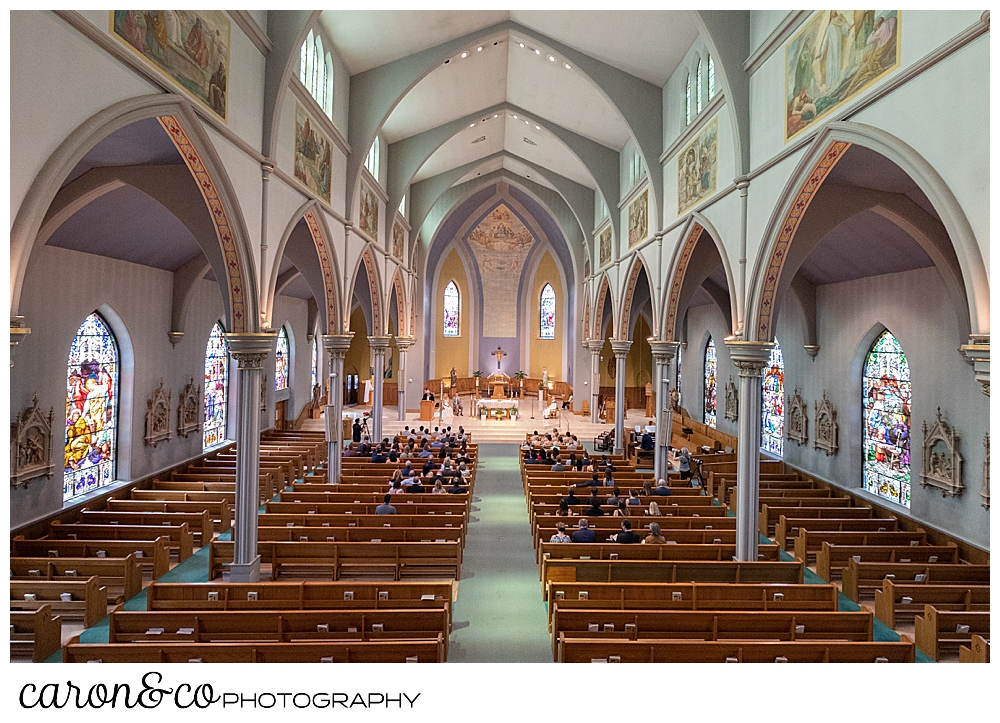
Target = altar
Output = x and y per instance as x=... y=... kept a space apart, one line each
x=497 y=408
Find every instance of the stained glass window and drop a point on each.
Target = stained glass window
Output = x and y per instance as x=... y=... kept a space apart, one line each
x=772 y=403
x=281 y=361
x=548 y=312
x=315 y=362
x=680 y=351
x=711 y=372
x=887 y=420
x=91 y=408
x=316 y=71
x=216 y=375
x=711 y=78
x=697 y=83
x=687 y=101
x=451 y=307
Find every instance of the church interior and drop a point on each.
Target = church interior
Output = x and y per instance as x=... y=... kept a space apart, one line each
x=507 y=279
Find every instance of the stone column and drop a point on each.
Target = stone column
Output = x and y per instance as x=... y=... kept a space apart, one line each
x=402 y=343
x=663 y=352
x=620 y=348
x=595 y=346
x=378 y=344
x=336 y=346
x=749 y=357
x=251 y=352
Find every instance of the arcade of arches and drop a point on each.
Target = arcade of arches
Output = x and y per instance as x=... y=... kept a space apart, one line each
x=281 y=223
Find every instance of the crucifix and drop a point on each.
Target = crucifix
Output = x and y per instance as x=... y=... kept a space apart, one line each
x=499 y=354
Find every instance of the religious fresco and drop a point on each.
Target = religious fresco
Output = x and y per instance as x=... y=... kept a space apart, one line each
x=605 y=246
x=398 y=235
x=838 y=54
x=698 y=167
x=313 y=155
x=189 y=47
x=500 y=243
x=638 y=219
x=368 y=211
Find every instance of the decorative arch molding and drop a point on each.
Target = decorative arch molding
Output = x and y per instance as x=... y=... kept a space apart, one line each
x=374 y=288
x=586 y=316
x=181 y=123
x=826 y=150
x=638 y=266
x=433 y=311
x=565 y=304
x=397 y=289
x=602 y=293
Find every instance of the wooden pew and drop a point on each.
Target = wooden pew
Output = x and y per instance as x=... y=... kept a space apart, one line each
x=677 y=536
x=671 y=571
x=359 y=534
x=152 y=555
x=120 y=576
x=220 y=513
x=180 y=539
x=285 y=512
x=379 y=651
x=788 y=528
x=572 y=650
x=35 y=633
x=831 y=558
x=896 y=600
x=937 y=630
x=88 y=600
x=808 y=542
x=200 y=523
x=867 y=577
x=770 y=512
x=605 y=625
x=977 y=652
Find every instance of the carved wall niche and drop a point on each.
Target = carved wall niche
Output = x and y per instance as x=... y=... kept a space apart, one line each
x=158 y=416
x=798 y=420
x=31 y=445
x=732 y=401
x=189 y=416
x=985 y=494
x=942 y=467
x=827 y=430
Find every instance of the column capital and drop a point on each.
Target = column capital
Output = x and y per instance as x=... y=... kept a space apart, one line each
x=250 y=350
x=663 y=351
x=749 y=356
x=404 y=342
x=338 y=344
x=379 y=343
x=621 y=347
x=976 y=353
x=595 y=345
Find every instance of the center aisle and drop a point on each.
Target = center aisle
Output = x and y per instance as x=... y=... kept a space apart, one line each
x=499 y=616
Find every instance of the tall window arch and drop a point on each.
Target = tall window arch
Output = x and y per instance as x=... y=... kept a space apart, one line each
x=711 y=374
x=372 y=159
x=772 y=403
x=547 y=312
x=315 y=361
x=91 y=408
x=680 y=351
x=316 y=72
x=886 y=404
x=281 y=354
x=711 y=78
x=451 y=309
x=216 y=387
x=687 y=101
x=697 y=83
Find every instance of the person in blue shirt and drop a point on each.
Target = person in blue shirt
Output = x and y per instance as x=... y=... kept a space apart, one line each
x=583 y=533
x=661 y=488
x=385 y=508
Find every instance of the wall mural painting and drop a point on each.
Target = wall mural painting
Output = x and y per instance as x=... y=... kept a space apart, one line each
x=313 y=155
x=190 y=48
x=368 y=212
x=500 y=243
x=398 y=235
x=605 y=246
x=638 y=219
x=698 y=167
x=838 y=54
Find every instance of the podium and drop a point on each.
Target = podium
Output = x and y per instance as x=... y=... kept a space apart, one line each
x=609 y=411
x=498 y=391
x=426 y=410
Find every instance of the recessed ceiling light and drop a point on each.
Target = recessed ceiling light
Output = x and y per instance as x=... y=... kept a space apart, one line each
x=537 y=128
x=526 y=123
x=552 y=58
x=515 y=117
x=495 y=115
x=566 y=65
x=472 y=125
x=537 y=51
x=521 y=45
x=479 y=49
x=465 y=55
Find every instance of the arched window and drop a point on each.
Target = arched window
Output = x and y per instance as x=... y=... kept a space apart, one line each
x=886 y=403
x=281 y=361
x=315 y=361
x=216 y=387
x=711 y=373
x=687 y=101
x=697 y=82
x=91 y=408
x=547 y=313
x=772 y=403
x=711 y=78
x=316 y=72
x=451 y=309
x=371 y=160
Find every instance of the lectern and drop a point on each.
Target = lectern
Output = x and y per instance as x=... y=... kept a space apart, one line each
x=426 y=410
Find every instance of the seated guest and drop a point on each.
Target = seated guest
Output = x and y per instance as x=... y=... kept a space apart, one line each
x=456 y=488
x=438 y=488
x=385 y=508
x=350 y=452
x=397 y=488
x=558 y=466
x=616 y=497
x=646 y=444
x=583 y=533
x=563 y=510
x=393 y=456
x=571 y=498
x=568 y=404
x=560 y=535
x=626 y=536
x=661 y=488
x=592 y=482
x=594 y=510
x=573 y=443
x=463 y=470
x=586 y=464
x=416 y=486
x=609 y=480
x=633 y=498
x=621 y=509
x=595 y=499
x=378 y=456
x=655 y=537
x=654 y=510
x=425 y=452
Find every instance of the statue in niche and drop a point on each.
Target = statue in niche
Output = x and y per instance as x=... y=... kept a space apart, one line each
x=732 y=401
x=942 y=462
x=454 y=379
x=31 y=445
x=827 y=431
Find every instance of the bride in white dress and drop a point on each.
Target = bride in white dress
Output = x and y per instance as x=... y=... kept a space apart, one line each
x=446 y=411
